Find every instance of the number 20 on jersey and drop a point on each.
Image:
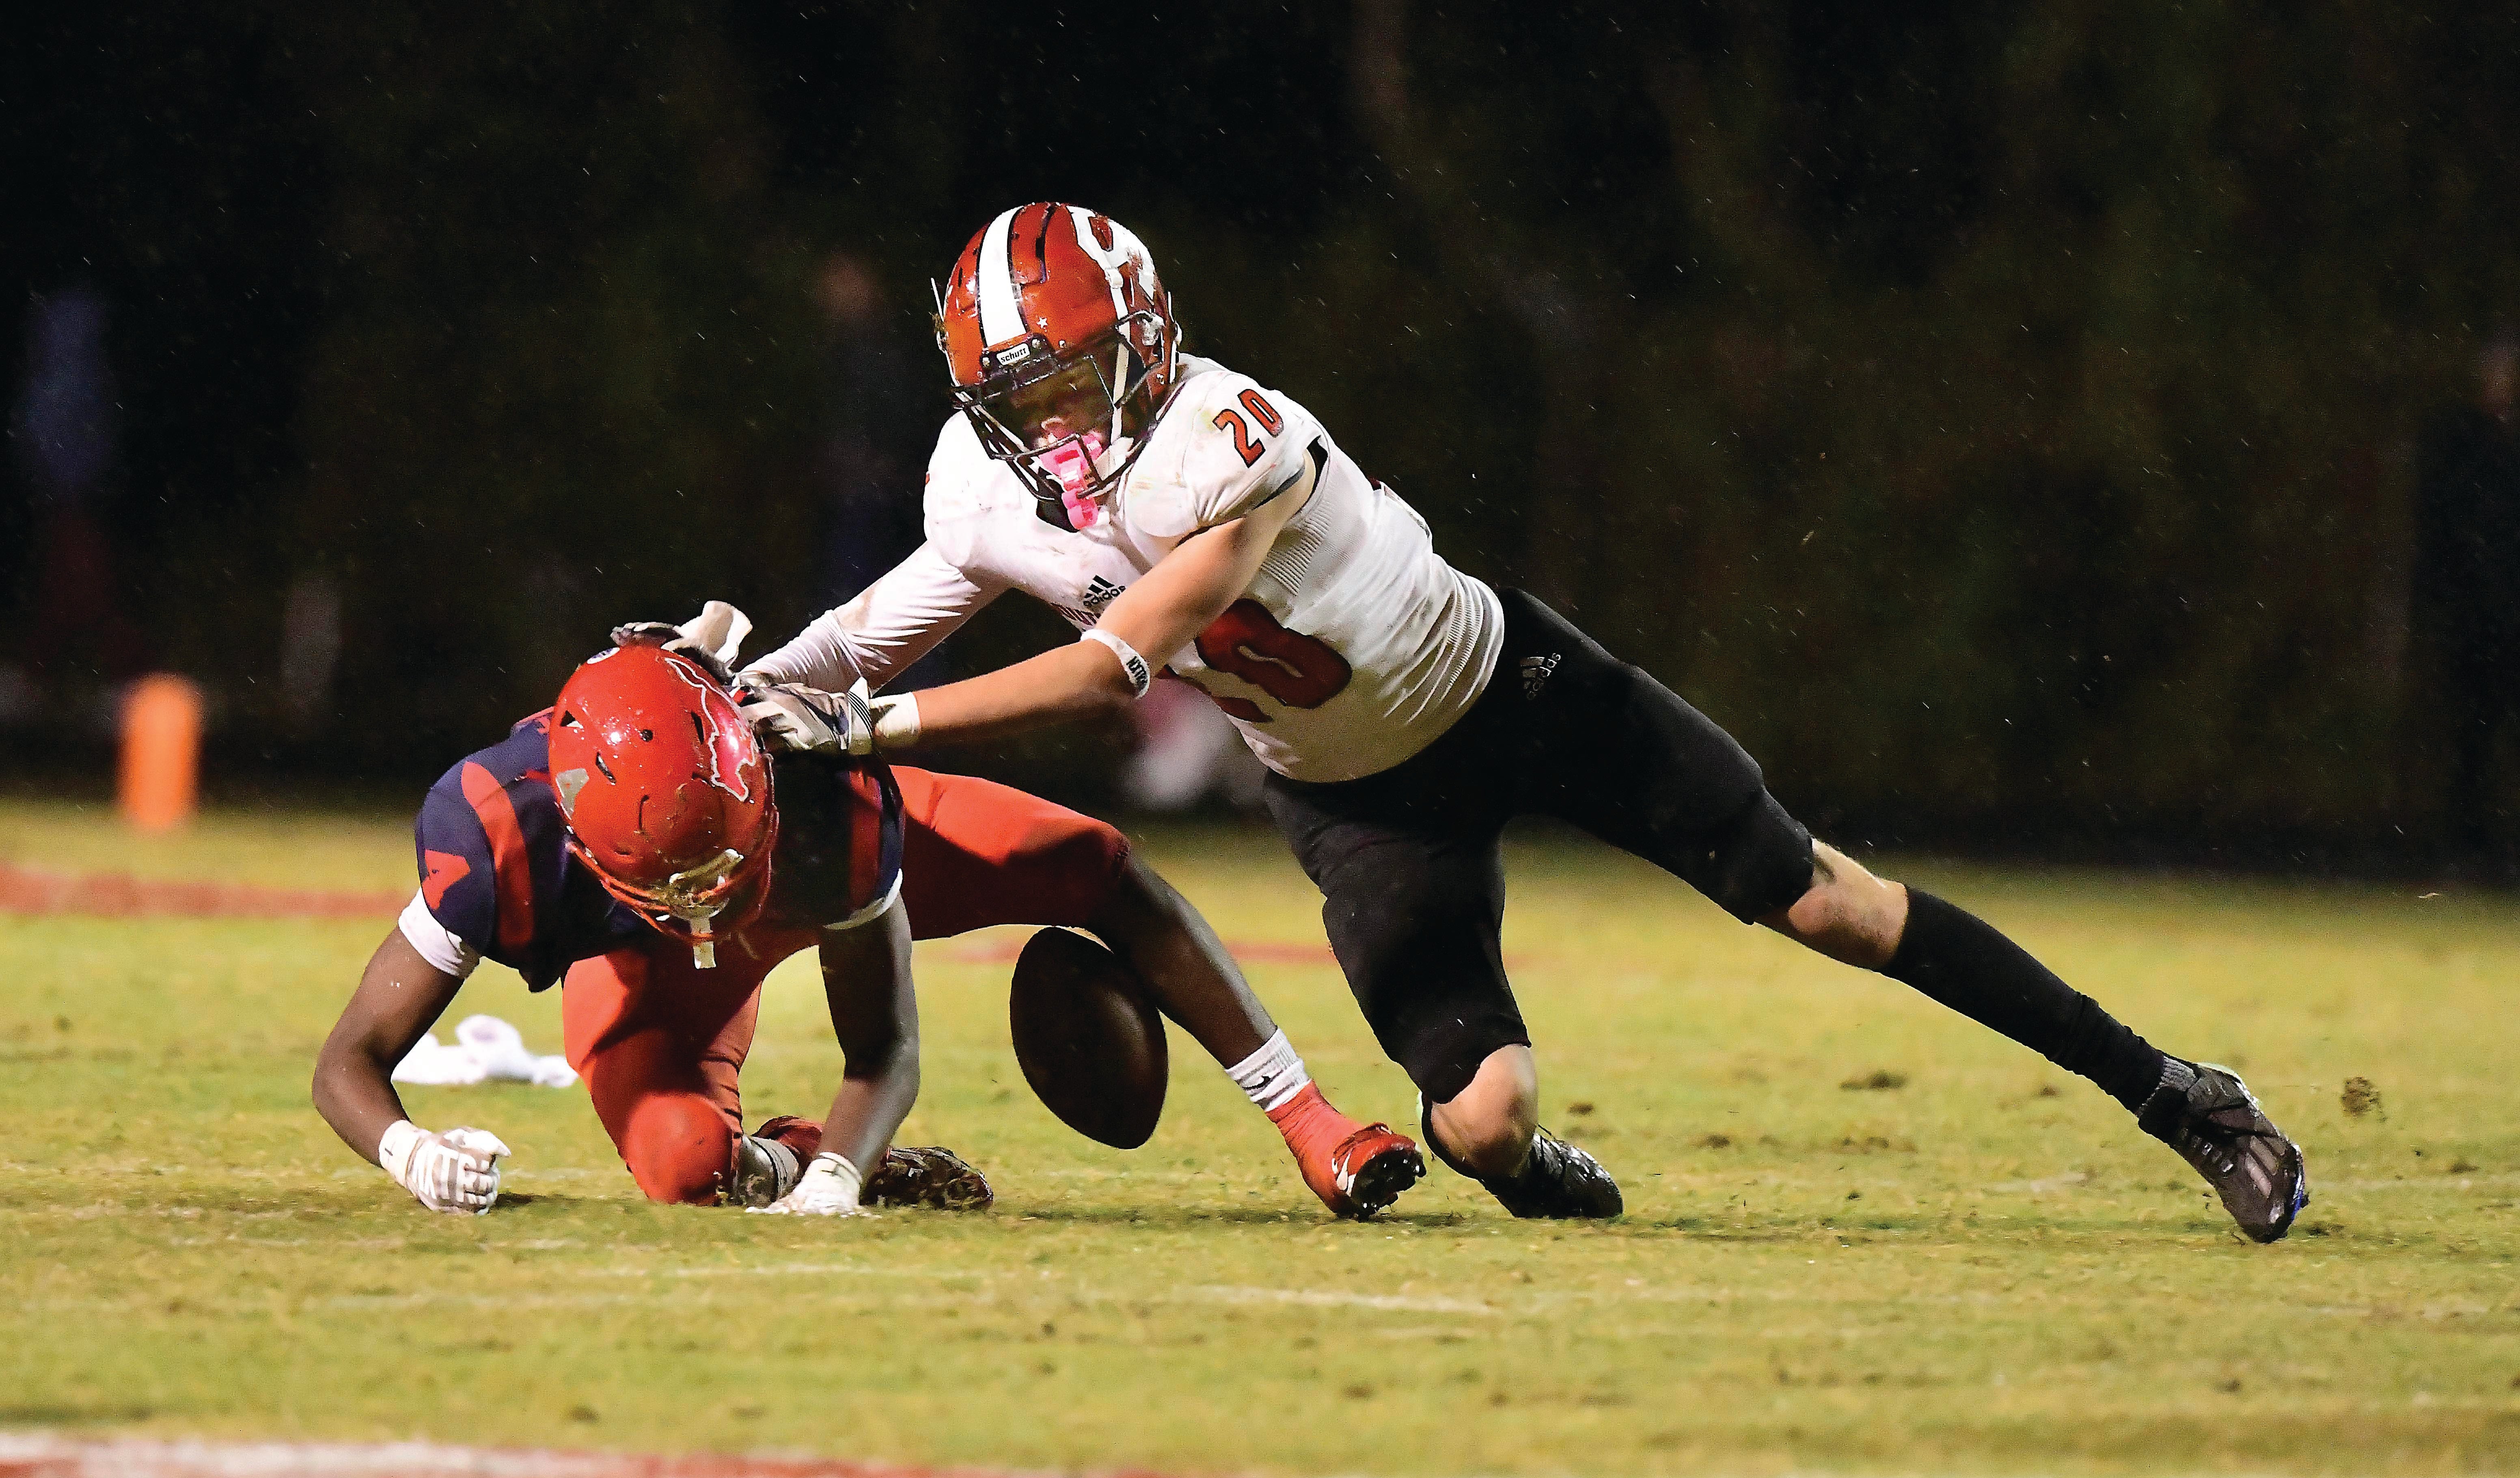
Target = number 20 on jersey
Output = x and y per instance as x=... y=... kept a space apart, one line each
x=1230 y=420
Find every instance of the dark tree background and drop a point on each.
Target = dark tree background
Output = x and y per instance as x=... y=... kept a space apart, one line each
x=1999 y=415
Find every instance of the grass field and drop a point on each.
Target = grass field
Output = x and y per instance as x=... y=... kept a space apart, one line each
x=1974 y=1263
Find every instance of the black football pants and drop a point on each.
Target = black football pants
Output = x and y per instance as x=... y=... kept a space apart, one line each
x=1409 y=862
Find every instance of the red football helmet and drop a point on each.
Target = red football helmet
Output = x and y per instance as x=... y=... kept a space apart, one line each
x=1062 y=348
x=666 y=793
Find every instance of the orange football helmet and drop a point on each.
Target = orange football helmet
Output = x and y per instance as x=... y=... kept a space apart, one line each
x=1063 y=349
x=666 y=793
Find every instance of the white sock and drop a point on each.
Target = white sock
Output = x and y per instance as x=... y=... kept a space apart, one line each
x=1271 y=1076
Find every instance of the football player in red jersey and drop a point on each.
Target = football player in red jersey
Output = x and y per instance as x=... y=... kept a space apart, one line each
x=626 y=844
x=1192 y=521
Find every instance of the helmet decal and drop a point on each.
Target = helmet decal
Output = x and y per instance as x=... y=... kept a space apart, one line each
x=1122 y=258
x=726 y=751
x=568 y=783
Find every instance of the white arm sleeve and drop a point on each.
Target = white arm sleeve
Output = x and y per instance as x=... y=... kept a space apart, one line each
x=890 y=624
x=435 y=944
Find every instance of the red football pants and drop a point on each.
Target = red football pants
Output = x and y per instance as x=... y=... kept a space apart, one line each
x=661 y=1043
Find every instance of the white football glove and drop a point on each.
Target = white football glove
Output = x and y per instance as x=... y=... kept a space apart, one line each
x=829 y=1187
x=456 y=1172
x=798 y=719
x=710 y=638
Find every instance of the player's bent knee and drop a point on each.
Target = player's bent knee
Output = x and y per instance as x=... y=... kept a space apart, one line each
x=1480 y=1147
x=1082 y=866
x=1136 y=892
x=677 y=1148
x=1485 y=1131
x=1486 y=1128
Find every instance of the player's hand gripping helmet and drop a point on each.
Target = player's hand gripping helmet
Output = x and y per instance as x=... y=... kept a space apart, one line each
x=1062 y=348
x=666 y=793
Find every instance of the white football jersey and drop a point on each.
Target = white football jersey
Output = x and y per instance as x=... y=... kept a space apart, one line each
x=1355 y=646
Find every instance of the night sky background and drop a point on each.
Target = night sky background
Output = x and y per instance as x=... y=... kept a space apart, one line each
x=2005 y=418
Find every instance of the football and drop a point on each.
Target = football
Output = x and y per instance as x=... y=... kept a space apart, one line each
x=1088 y=1039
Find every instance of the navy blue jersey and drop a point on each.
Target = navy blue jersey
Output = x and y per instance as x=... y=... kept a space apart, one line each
x=496 y=872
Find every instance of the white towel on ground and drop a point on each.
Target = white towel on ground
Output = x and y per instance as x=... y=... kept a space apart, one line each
x=485 y=1049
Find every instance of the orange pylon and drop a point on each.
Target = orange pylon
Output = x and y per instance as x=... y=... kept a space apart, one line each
x=161 y=751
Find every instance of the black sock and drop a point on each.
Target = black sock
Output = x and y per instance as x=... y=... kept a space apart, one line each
x=1960 y=960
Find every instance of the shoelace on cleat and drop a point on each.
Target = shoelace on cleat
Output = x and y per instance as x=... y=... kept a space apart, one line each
x=2226 y=1144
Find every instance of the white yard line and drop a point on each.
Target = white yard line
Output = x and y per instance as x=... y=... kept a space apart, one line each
x=1330 y=1298
x=42 y=1455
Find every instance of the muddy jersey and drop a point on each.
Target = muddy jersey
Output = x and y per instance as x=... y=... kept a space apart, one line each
x=497 y=880
x=1354 y=647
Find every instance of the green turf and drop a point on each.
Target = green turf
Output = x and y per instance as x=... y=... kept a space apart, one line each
x=1983 y=1268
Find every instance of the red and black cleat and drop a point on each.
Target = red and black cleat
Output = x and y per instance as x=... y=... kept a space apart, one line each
x=1356 y=1169
x=1368 y=1172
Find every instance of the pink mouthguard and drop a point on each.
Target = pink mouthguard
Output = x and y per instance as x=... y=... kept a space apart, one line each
x=1072 y=464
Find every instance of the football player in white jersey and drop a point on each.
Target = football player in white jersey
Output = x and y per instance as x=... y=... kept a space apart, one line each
x=1191 y=522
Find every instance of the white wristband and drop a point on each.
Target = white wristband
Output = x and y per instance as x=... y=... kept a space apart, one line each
x=1141 y=677
x=394 y=1151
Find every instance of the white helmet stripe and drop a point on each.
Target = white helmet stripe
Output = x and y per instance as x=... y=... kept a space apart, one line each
x=1001 y=319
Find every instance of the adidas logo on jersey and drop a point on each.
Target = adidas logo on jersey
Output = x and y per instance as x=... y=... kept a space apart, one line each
x=1099 y=593
x=1535 y=672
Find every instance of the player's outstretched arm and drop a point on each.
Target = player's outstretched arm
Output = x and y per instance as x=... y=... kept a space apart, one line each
x=1103 y=674
x=874 y=1014
x=400 y=996
x=886 y=628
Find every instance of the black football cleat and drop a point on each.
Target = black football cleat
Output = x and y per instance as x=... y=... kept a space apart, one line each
x=928 y=1175
x=1557 y=1180
x=2216 y=1124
